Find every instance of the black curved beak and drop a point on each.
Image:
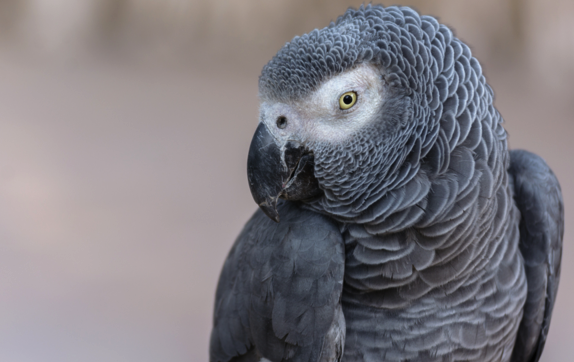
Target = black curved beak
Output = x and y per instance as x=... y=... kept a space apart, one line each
x=275 y=171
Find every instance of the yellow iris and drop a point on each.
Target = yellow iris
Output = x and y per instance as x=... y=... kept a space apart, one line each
x=348 y=100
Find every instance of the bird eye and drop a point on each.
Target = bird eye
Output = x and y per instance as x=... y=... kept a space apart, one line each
x=348 y=100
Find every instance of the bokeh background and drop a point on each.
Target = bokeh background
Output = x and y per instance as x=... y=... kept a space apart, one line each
x=124 y=130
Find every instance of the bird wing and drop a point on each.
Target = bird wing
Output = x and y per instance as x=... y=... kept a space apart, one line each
x=279 y=292
x=539 y=199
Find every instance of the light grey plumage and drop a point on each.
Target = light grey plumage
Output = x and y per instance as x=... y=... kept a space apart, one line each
x=448 y=245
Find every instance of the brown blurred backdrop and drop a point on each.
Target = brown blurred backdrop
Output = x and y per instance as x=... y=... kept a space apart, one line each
x=124 y=129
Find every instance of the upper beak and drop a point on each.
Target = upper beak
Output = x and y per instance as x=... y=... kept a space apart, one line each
x=276 y=170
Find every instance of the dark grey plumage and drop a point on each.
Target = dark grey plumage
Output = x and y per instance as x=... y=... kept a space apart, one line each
x=280 y=289
x=441 y=257
x=539 y=199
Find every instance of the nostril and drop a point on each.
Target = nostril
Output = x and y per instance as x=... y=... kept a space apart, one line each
x=281 y=122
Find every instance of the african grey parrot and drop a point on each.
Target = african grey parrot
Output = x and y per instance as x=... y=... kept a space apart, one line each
x=394 y=224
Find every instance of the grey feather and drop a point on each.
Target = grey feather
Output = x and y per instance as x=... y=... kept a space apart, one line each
x=279 y=291
x=539 y=199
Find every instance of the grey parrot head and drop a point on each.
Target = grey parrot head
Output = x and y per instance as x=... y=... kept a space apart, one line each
x=351 y=112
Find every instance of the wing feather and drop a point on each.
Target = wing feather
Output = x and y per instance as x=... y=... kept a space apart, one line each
x=279 y=292
x=539 y=199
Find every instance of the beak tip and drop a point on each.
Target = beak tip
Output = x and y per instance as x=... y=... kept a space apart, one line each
x=270 y=209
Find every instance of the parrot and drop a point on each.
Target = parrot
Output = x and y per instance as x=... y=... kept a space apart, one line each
x=394 y=223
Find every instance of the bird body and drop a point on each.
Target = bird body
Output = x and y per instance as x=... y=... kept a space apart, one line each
x=408 y=231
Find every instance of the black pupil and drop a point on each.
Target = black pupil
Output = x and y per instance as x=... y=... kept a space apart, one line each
x=347 y=99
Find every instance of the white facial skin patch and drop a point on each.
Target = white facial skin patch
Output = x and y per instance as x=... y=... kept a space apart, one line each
x=319 y=117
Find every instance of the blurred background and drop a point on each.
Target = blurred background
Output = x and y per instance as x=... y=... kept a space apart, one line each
x=124 y=130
